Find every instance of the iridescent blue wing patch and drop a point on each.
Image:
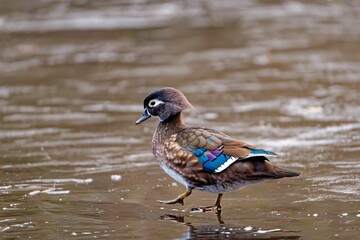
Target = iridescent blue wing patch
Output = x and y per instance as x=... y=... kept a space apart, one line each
x=214 y=161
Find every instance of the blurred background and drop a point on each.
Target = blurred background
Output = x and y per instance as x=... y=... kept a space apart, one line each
x=281 y=75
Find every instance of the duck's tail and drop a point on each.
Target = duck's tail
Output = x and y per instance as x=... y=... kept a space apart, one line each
x=280 y=172
x=288 y=173
x=264 y=168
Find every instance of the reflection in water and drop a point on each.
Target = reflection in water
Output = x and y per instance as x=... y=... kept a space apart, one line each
x=223 y=230
x=218 y=214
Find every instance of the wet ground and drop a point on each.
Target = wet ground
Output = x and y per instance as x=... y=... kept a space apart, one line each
x=282 y=75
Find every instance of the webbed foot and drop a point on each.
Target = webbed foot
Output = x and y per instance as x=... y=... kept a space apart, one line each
x=173 y=201
x=179 y=199
x=216 y=207
x=213 y=208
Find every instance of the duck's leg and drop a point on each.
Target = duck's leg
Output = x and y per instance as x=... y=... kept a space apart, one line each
x=179 y=199
x=215 y=207
x=219 y=216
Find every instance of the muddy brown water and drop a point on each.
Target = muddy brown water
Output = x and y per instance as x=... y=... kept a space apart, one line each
x=282 y=75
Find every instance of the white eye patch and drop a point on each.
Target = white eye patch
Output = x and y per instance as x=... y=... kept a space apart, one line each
x=154 y=103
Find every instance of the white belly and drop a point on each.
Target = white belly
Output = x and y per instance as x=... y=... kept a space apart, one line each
x=174 y=174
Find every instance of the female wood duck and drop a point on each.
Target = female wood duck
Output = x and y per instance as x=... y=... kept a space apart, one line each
x=201 y=158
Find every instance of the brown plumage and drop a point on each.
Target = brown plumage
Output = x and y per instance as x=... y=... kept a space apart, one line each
x=201 y=158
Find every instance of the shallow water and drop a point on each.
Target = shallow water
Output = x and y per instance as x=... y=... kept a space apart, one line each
x=282 y=75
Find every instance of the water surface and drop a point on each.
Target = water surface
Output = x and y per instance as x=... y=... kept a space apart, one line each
x=282 y=75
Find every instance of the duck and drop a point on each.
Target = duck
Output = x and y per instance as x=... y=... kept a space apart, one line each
x=202 y=158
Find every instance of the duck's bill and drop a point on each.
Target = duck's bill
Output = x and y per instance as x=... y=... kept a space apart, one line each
x=143 y=118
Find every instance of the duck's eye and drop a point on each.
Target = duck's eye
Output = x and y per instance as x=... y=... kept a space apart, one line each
x=152 y=103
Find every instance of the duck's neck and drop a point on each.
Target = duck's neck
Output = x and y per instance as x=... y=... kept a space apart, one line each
x=167 y=128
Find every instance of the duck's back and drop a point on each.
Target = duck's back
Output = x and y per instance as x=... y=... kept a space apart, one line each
x=212 y=161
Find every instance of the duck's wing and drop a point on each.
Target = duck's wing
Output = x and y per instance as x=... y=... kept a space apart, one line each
x=215 y=150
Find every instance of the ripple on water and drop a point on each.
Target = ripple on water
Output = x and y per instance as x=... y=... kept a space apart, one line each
x=15 y=227
x=315 y=109
x=64 y=180
x=314 y=136
x=235 y=232
x=42 y=186
x=26 y=133
x=112 y=107
x=56 y=117
x=82 y=142
x=95 y=21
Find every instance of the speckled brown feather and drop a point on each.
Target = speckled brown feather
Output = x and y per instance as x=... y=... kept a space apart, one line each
x=187 y=165
x=210 y=140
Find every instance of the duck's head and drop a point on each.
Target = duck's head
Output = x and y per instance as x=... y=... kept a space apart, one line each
x=164 y=103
